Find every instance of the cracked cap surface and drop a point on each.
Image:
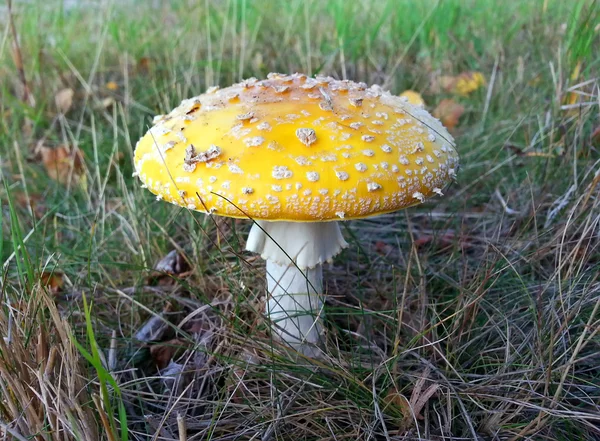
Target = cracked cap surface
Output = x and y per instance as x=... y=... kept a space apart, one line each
x=296 y=148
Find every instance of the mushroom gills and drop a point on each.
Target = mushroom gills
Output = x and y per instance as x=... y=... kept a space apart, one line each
x=295 y=252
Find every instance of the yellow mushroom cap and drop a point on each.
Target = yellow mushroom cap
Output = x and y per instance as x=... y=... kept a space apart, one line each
x=294 y=148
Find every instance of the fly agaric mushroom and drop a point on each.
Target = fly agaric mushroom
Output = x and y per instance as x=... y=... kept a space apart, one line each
x=297 y=155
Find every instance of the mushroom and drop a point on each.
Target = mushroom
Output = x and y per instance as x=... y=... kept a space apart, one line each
x=297 y=155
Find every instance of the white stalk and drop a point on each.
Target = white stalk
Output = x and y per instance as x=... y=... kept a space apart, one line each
x=295 y=305
x=295 y=253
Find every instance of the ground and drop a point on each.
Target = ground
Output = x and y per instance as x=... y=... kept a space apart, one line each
x=472 y=316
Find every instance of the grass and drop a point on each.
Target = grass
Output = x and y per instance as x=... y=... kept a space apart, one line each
x=475 y=316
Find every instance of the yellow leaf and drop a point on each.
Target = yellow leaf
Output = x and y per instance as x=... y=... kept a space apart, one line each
x=413 y=97
x=64 y=99
x=468 y=82
x=462 y=84
x=449 y=112
x=111 y=85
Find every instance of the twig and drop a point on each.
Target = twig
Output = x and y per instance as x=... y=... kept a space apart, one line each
x=181 y=427
x=18 y=57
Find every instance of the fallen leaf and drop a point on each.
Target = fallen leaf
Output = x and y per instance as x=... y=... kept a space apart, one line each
x=144 y=64
x=439 y=242
x=64 y=100
x=111 y=85
x=163 y=353
x=463 y=84
x=396 y=400
x=64 y=165
x=468 y=82
x=413 y=97
x=449 y=112
x=382 y=248
x=52 y=280
x=422 y=240
x=30 y=201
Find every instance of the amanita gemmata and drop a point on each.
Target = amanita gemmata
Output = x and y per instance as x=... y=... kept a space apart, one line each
x=297 y=155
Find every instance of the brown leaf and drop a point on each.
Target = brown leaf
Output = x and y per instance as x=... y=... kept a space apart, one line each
x=395 y=399
x=422 y=239
x=446 y=82
x=143 y=64
x=63 y=165
x=64 y=99
x=29 y=201
x=382 y=248
x=52 y=280
x=449 y=112
x=163 y=353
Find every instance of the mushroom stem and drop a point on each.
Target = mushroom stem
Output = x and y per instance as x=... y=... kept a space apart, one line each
x=295 y=253
x=295 y=305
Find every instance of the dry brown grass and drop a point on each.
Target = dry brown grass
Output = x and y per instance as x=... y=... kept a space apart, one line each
x=46 y=390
